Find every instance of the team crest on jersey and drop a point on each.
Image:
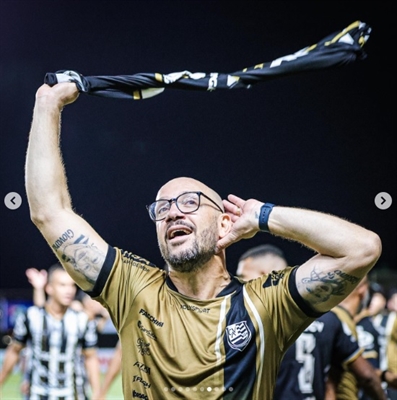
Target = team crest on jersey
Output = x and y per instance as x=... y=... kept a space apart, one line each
x=238 y=335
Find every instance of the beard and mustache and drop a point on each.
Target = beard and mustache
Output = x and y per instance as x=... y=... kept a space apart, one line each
x=200 y=252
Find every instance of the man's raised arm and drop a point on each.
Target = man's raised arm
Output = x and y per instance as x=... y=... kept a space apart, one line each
x=345 y=251
x=79 y=248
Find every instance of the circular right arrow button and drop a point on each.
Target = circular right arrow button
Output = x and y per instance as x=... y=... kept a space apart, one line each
x=383 y=200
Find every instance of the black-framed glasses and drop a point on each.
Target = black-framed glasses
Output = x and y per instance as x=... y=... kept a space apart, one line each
x=187 y=203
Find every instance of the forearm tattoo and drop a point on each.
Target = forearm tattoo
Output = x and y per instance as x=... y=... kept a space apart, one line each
x=84 y=256
x=322 y=285
x=69 y=234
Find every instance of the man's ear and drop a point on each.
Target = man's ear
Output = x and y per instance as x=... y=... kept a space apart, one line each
x=48 y=289
x=225 y=225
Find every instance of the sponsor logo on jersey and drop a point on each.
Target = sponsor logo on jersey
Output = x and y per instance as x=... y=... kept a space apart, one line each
x=136 y=261
x=195 y=308
x=138 y=395
x=143 y=367
x=150 y=317
x=146 y=331
x=238 y=335
x=143 y=347
x=137 y=378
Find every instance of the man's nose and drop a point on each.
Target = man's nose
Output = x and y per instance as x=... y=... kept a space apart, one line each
x=174 y=211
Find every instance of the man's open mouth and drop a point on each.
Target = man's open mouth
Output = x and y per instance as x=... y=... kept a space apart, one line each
x=178 y=231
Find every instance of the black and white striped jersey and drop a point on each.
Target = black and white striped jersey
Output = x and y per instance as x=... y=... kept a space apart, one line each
x=56 y=365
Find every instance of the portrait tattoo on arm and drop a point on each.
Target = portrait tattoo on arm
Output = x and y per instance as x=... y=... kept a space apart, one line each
x=322 y=285
x=84 y=256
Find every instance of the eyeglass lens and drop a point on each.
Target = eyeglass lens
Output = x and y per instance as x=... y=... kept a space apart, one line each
x=186 y=203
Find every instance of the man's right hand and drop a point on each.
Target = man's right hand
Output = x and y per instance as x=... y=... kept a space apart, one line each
x=38 y=279
x=59 y=95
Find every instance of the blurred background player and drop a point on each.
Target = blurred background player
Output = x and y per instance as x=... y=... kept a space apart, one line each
x=303 y=371
x=368 y=335
x=83 y=302
x=392 y=300
x=345 y=381
x=370 y=338
x=383 y=316
x=260 y=260
x=58 y=337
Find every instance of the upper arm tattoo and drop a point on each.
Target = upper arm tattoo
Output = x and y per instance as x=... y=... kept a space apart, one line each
x=85 y=257
x=320 y=286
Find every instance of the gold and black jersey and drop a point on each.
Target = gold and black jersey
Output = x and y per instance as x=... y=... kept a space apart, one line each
x=55 y=367
x=176 y=347
x=347 y=388
x=392 y=344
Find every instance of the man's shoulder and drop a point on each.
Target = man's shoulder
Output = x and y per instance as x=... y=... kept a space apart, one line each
x=274 y=278
x=332 y=319
x=342 y=314
x=77 y=314
x=34 y=311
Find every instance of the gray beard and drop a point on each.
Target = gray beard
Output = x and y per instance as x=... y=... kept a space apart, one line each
x=190 y=260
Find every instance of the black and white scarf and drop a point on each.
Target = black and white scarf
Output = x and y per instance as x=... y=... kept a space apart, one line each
x=337 y=49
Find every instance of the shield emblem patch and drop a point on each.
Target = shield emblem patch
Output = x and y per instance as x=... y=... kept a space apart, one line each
x=238 y=335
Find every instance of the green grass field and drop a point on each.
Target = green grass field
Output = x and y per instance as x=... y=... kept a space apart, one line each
x=10 y=390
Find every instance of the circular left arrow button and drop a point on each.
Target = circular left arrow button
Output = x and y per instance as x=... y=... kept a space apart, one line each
x=13 y=200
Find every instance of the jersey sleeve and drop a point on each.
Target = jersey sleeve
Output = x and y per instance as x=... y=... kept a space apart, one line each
x=392 y=348
x=285 y=311
x=346 y=347
x=123 y=276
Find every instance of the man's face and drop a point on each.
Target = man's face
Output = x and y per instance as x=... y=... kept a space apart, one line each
x=187 y=241
x=254 y=267
x=61 y=288
x=377 y=304
x=392 y=303
x=84 y=258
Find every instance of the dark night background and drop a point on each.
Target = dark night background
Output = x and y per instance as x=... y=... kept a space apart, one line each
x=322 y=140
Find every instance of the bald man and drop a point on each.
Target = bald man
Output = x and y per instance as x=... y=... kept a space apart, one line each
x=194 y=331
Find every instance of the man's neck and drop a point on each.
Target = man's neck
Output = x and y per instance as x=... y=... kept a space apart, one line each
x=351 y=305
x=203 y=284
x=55 y=309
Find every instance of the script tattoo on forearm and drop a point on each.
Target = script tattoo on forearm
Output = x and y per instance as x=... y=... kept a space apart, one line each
x=68 y=234
x=323 y=285
x=83 y=255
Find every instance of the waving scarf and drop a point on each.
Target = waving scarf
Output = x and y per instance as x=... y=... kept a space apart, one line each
x=337 y=49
